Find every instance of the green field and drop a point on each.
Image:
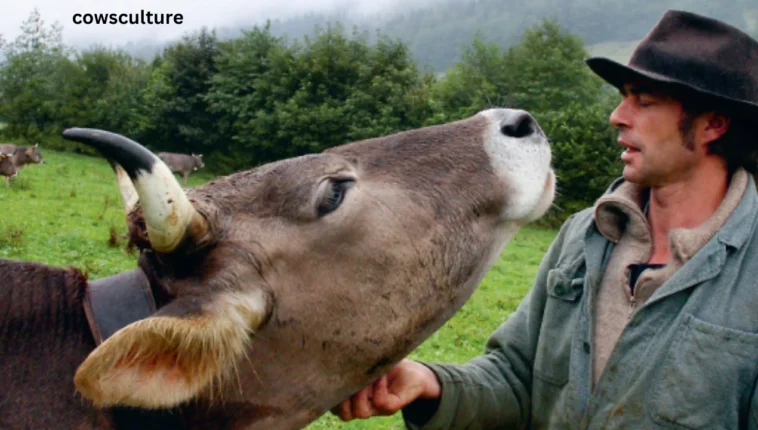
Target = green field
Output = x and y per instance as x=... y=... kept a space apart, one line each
x=68 y=212
x=62 y=212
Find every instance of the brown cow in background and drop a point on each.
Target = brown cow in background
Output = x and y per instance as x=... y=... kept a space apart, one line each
x=21 y=156
x=28 y=155
x=265 y=298
x=7 y=168
x=182 y=163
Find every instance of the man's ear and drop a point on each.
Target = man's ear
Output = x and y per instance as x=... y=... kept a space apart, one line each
x=173 y=356
x=717 y=124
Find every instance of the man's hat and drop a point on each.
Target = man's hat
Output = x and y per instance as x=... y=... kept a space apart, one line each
x=694 y=53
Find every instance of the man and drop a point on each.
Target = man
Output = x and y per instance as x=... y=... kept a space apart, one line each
x=644 y=312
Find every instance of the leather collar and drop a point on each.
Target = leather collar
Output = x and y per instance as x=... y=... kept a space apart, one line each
x=116 y=301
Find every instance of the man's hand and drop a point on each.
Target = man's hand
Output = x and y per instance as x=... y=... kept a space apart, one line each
x=403 y=384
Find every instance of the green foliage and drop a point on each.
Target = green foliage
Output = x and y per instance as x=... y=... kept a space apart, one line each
x=546 y=70
x=251 y=82
x=478 y=81
x=174 y=114
x=278 y=100
x=32 y=79
x=46 y=86
x=113 y=90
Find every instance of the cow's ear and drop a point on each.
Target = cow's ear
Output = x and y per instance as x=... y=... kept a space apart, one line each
x=172 y=357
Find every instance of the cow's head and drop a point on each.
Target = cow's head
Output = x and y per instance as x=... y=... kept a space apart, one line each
x=326 y=268
x=34 y=155
x=198 y=161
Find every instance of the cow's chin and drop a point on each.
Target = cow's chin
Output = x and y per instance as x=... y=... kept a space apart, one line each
x=530 y=201
x=546 y=199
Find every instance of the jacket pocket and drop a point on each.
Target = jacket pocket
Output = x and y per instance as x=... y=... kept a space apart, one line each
x=704 y=376
x=551 y=362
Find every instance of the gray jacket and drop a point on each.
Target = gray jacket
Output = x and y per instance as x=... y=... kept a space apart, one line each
x=688 y=359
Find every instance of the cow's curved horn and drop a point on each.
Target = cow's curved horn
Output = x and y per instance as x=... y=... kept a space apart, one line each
x=125 y=187
x=169 y=215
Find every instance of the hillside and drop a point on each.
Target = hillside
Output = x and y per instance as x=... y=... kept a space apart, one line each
x=437 y=33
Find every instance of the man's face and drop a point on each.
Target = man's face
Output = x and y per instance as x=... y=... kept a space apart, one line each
x=656 y=151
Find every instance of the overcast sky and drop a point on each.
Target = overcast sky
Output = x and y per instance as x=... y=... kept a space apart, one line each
x=196 y=13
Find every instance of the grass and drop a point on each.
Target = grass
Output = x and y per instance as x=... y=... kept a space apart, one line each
x=64 y=212
x=68 y=212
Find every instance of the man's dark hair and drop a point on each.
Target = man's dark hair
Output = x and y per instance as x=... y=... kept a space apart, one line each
x=738 y=146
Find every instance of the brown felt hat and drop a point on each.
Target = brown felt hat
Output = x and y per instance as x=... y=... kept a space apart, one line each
x=694 y=53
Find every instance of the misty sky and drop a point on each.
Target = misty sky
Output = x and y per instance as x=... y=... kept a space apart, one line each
x=196 y=13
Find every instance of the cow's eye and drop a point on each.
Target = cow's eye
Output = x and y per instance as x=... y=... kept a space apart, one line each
x=334 y=195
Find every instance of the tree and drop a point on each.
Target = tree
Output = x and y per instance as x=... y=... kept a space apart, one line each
x=476 y=82
x=253 y=78
x=31 y=84
x=546 y=70
x=277 y=100
x=120 y=95
x=176 y=115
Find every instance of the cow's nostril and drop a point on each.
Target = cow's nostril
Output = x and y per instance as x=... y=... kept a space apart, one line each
x=519 y=125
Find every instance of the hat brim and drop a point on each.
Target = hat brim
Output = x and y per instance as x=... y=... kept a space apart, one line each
x=618 y=74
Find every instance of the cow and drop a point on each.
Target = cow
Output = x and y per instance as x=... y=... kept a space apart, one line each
x=264 y=298
x=7 y=168
x=182 y=163
x=23 y=155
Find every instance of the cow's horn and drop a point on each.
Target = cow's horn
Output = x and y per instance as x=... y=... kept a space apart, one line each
x=125 y=187
x=169 y=215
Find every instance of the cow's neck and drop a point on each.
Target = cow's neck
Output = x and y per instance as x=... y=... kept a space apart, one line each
x=43 y=339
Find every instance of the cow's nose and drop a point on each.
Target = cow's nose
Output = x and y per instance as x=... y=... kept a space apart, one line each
x=520 y=124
